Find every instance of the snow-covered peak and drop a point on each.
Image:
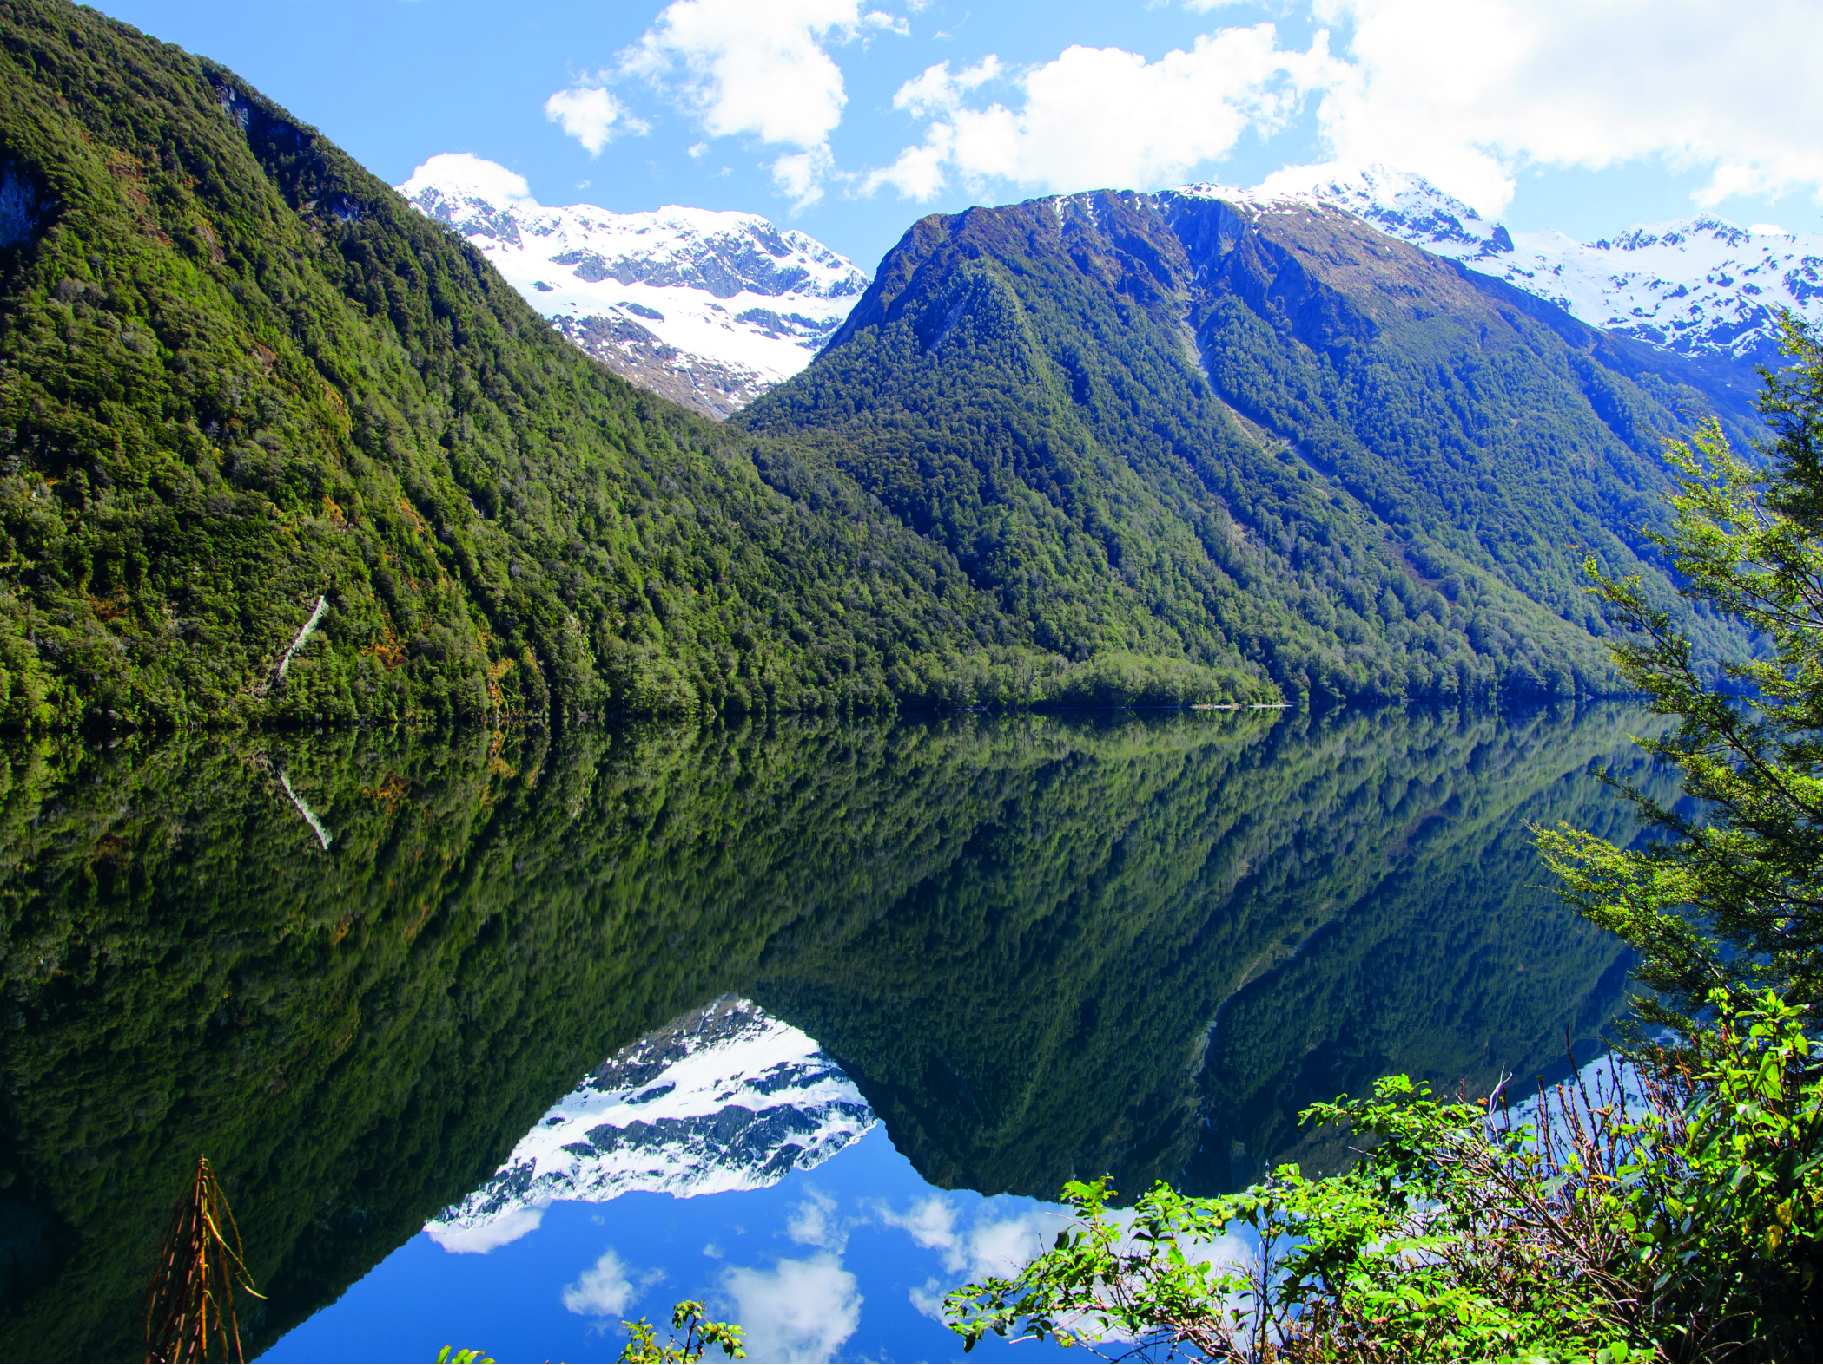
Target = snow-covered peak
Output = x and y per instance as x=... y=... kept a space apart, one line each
x=1698 y=286
x=710 y=308
x=724 y=1098
x=1405 y=205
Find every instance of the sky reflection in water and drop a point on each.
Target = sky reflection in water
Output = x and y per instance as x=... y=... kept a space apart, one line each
x=848 y=1260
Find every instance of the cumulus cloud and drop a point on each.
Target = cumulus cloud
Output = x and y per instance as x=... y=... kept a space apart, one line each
x=606 y=1288
x=590 y=113
x=1463 y=92
x=799 y=1310
x=999 y=1243
x=992 y=1246
x=760 y=70
x=800 y=175
x=1103 y=116
x=488 y=178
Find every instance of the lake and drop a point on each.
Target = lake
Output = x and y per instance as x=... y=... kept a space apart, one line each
x=496 y=1038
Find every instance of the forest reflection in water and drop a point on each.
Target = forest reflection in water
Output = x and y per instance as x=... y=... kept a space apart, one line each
x=355 y=968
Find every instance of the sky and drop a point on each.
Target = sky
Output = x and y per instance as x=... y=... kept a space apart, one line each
x=850 y=119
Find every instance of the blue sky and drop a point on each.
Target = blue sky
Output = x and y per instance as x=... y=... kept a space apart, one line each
x=851 y=118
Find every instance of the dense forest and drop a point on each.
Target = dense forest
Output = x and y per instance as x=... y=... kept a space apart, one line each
x=239 y=375
x=1270 y=440
x=967 y=913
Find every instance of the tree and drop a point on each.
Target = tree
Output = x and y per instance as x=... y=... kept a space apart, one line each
x=1734 y=896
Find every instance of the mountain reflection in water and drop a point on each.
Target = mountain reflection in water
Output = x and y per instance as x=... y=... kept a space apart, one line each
x=1039 y=946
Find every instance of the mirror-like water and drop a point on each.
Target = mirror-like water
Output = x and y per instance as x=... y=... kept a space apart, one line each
x=359 y=970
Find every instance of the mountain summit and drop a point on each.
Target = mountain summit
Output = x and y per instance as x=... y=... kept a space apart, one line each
x=1259 y=431
x=708 y=309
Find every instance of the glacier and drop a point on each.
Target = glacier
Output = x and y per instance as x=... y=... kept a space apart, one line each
x=723 y=1098
x=709 y=309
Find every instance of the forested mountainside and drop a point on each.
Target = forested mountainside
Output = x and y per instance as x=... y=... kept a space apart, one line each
x=1273 y=438
x=239 y=376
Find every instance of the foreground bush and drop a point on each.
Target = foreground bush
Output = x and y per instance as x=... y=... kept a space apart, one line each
x=1679 y=1217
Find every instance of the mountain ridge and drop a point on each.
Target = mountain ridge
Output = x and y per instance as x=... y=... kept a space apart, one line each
x=724 y=1097
x=1702 y=288
x=708 y=309
x=239 y=376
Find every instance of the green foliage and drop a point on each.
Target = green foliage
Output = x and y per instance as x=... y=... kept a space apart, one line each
x=1732 y=897
x=1364 y=478
x=447 y=1357
x=1686 y=1224
x=238 y=373
x=699 y=1334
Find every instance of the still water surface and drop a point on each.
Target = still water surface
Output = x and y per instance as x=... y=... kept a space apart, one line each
x=808 y=1019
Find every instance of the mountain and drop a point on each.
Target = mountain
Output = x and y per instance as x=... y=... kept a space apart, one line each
x=1701 y=287
x=722 y=1098
x=708 y=309
x=1267 y=435
x=277 y=447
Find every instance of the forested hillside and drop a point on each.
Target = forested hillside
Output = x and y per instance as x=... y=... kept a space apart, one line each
x=238 y=374
x=1278 y=440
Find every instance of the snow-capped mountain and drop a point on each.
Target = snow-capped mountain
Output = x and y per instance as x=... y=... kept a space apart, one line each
x=723 y=1098
x=1699 y=287
x=708 y=309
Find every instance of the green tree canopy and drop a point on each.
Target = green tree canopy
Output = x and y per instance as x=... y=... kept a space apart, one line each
x=1734 y=896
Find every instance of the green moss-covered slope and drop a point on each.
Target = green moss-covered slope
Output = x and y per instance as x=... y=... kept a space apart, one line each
x=1275 y=442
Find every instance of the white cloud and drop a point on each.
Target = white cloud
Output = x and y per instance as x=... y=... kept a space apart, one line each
x=589 y=114
x=1103 y=116
x=800 y=175
x=762 y=71
x=813 y=1224
x=993 y=1246
x=751 y=68
x=483 y=1239
x=1002 y=1245
x=606 y=1288
x=466 y=171
x=939 y=92
x=799 y=1310
x=1465 y=92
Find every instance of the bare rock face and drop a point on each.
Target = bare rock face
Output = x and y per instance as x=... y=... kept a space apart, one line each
x=707 y=309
